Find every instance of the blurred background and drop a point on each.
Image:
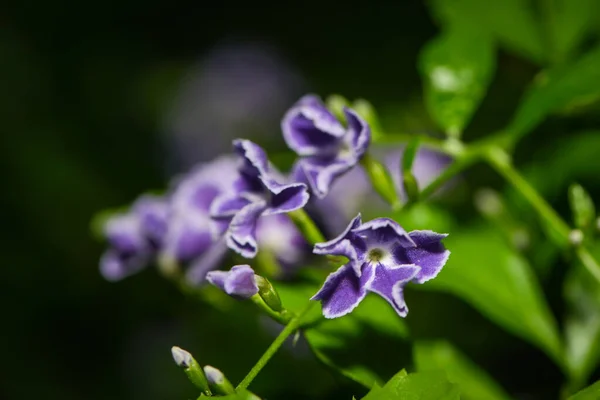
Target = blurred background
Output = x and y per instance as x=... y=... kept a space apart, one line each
x=103 y=101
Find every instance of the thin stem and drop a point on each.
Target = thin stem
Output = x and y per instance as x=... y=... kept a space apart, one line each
x=307 y=227
x=558 y=230
x=454 y=169
x=290 y=328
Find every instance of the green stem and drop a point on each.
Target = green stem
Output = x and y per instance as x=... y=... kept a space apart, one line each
x=454 y=169
x=557 y=229
x=307 y=226
x=290 y=328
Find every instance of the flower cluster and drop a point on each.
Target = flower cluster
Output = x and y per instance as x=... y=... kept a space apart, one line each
x=241 y=201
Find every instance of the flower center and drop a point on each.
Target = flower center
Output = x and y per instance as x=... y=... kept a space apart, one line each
x=376 y=254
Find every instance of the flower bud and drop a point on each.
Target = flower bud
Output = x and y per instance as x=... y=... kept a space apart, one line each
x=380 y=179
x=191 y=368
x=268 y=293
x=217 y=380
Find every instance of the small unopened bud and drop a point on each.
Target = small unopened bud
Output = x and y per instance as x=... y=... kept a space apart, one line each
x=182 y=358
x=268 y=293
x=217 y=380
x=576 y=237
x=192 y=369
x=336 y=104
x=380 y=179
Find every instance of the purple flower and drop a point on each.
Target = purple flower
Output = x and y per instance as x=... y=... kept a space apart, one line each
x=239 y=281
x=278 y=235
x=192 y=237
x=134 y=237
x=383 y=258
x=259 y=190
x=328 y=149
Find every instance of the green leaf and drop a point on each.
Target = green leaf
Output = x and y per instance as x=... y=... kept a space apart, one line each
x=560 y=88
x=356 y=343
x=590 y=393
x=511 y=22
x=457 y=68
x=474 y=383
x=582 y=324
x=418 y=386
x=582 y=207
x=487 y=273
x=569 y=22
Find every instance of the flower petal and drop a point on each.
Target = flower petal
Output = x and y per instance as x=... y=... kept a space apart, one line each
x=343 y=290
x=227 y=205
x=359 y=133
x=188 y=237
x=309 y=128
x=153 y=213
x=115 y=266
x=288 y=198
x=255 y=160
x=320 y=173
x=429 y=254
x=208 y=261
x=279 y=236
x=241 y=235
x=389 y=282
x=346 y=244
x=384 y=230
x=239 y=281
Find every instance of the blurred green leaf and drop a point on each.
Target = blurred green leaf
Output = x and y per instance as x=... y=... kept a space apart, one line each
x=474 y=383
x=418 y=386
x=570 y=158
x=568 y=21
x=511 y=22
x=582 y=324
x=487 y=273
x=457 y=68
x=590 y=393
x=357 y=343
x=560 y=88
x=582 y=207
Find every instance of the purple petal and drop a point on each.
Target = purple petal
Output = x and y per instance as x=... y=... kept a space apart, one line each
x=208 y=261
x=359 y=133
x=115 y=266
x=188 y=237
x=343 y=290
x=239 y=281
x=320 y=173
x=241 y=235
x=384 y=230
x=278 y=235
x=124 y=233
x=345 y=244
x=309 y=128
x=153 y=213
x=198 y=188
x=389 y=283
x=429 y=254
x=255 y=161
x=288 y=198
x=227 y=205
